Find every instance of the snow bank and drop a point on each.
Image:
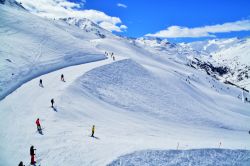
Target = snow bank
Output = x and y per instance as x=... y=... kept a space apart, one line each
x=197 y=157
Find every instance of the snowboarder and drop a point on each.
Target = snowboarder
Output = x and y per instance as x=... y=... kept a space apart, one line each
x=21 y=164
x=41 y=83
x=52 y=103
x=38 y=125
x=93 y=131
x=32 y=154
x=62 y=78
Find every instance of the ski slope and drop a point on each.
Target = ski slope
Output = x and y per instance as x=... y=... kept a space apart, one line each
x=119 y=129
x=34 y=103
x=32 y=48
x=144 y=100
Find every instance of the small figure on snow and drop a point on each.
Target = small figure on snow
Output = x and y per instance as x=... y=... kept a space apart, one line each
x=41 y=83
x=38 y=125
x=21 y=164
x=52 y=103
x=93 y=131
x=32 y=154
x=113 y=58
x=62 y=78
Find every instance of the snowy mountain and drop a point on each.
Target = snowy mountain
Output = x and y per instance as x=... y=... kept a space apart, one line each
x=149 y=95
x=214 y=45
x=88 y=26
x=12 y=3
x=232 y=53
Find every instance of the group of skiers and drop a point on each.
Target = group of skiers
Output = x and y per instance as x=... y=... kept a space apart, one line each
x=111 y=55
x=41 y=81
x=39 y=128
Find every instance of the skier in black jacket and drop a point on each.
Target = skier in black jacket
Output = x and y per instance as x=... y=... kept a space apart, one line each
x=41 y=83
x=21 y=164
x=52 y=103
x=62 y=78
x=32 y=154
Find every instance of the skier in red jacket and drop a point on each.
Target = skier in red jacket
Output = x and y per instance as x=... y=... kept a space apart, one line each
x=38 y=125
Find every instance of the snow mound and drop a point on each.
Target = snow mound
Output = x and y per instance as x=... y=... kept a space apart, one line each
x=132 y=87
x=196 y=157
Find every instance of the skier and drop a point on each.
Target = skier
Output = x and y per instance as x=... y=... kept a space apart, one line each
x=38 y=125
x=62 y=78
x=113 y=58
x=93 y=131
x=21 y=164
x=52 y=103
x=41 y=83
x=32 y=154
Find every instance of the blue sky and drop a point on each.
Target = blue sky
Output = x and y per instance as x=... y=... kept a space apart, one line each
x=149 y=16
x=178 y=20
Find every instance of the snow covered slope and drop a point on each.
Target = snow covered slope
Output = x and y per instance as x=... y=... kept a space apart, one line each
x=31 y=46
x=197 y=157
x=120 y=84
x=127 y=115
x=147 y=98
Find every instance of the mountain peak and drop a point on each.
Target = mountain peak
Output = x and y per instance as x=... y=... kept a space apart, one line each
x=12 y=3
x=87 y=25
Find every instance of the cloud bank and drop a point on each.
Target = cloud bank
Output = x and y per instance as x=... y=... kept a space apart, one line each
x=205 y=31
x=65 y=8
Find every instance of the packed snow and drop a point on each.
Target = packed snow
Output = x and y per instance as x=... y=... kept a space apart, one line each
x=139 y=98
x=197 y=157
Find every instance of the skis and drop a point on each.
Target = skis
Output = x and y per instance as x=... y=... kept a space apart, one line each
x=94 y=137
x=40 y=131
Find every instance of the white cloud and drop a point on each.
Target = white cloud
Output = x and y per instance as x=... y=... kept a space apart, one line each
x=122 y=5
x=64 y=8
x=205 y=31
